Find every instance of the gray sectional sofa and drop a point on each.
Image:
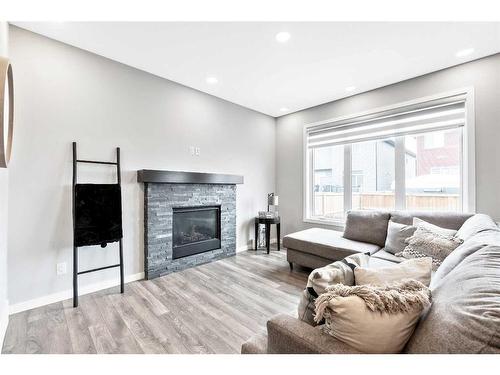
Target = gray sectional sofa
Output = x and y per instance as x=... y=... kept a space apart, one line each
x=465 y=313
x=317 y=247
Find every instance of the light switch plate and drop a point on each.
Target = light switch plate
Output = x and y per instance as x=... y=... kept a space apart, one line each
x=61 y=268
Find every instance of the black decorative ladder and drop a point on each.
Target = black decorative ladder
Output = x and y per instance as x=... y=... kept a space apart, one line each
x=75 y=248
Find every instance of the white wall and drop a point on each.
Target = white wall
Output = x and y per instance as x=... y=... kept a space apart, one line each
x=483 y=75
x=4 y=181
x=64 y=94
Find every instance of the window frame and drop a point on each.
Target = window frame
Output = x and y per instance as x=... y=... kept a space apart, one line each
x=467 y=159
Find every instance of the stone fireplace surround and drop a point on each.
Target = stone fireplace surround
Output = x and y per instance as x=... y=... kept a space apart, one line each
x=165 y=190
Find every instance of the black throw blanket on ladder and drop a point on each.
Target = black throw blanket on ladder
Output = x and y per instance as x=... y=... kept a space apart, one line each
x=98 y=214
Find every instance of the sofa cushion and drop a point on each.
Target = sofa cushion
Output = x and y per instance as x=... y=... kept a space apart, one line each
x=469 y=247
x=465 y=313
x=287 y=335
x=305 y=259
x=367 y=226
x=326 y=243
x=416 y=269
x=449 y=220
x=385 y=255
x=256 y=345
x=475 y=224
x=396 y=235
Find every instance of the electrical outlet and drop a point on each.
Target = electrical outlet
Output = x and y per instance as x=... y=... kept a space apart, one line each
x=61 y=268
x=197 y=151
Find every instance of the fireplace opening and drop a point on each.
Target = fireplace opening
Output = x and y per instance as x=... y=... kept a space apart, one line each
x=195 y=230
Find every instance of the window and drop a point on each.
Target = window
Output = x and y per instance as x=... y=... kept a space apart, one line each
x=328 y=195
x=374 y=162
x=435 y=140
x=357 y=181
x=433 y=184
x=407 y=157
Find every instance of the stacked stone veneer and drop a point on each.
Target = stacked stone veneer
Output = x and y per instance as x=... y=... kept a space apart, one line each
x=159 y=199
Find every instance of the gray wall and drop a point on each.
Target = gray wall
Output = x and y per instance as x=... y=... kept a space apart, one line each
x=4 y=181
x=483 y=75
x=64 y=94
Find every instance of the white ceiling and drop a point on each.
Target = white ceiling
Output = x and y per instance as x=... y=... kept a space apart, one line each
x=315 y=66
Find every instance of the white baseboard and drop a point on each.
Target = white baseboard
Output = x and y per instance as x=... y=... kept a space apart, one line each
x=66 y=294
x=252 y=246
x=243 y=248
x=4 y=321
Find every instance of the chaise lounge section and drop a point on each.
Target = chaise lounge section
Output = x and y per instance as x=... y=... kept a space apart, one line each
x=317 y=247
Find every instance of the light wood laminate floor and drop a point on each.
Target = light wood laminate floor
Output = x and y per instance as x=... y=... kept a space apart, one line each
x=212 y=308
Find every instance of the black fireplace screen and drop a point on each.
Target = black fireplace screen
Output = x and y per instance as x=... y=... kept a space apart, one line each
x=195 y=230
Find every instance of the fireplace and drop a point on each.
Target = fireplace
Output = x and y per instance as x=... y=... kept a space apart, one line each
x=195 y=230
x=189 y=219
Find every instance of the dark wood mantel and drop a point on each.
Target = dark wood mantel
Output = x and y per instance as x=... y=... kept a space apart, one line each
x=178 y=177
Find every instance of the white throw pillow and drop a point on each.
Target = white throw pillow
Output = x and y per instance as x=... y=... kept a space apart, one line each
x=373 y=319
x=419 y=223
x=418 y=269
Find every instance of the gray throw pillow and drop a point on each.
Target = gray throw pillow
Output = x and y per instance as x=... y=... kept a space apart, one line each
x=367 y=226
x=396 y=236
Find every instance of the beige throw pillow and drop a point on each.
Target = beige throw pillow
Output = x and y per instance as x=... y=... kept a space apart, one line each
x=373 y=319
x=417 y=269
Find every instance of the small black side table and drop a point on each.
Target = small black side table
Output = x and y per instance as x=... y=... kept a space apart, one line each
x=267 y=222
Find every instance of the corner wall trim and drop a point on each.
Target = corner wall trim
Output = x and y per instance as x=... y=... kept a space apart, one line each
x=67 y=294
x=243 y=248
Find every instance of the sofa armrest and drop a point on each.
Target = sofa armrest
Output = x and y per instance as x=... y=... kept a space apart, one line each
x=287 y=335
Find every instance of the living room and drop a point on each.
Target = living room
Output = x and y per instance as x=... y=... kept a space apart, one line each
x=174 y=187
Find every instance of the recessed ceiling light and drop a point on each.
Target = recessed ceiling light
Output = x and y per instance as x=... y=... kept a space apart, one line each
x=283 y=37
x=464 y=52
x=284 y=109
x=212 y=80
x=350 y=88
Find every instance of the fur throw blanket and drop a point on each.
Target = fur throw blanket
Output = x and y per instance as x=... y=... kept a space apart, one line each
x=401 y=297
x=321 y=278
x=337 y=272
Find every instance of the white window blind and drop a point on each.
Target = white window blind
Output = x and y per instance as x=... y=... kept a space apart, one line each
x=442 y=114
